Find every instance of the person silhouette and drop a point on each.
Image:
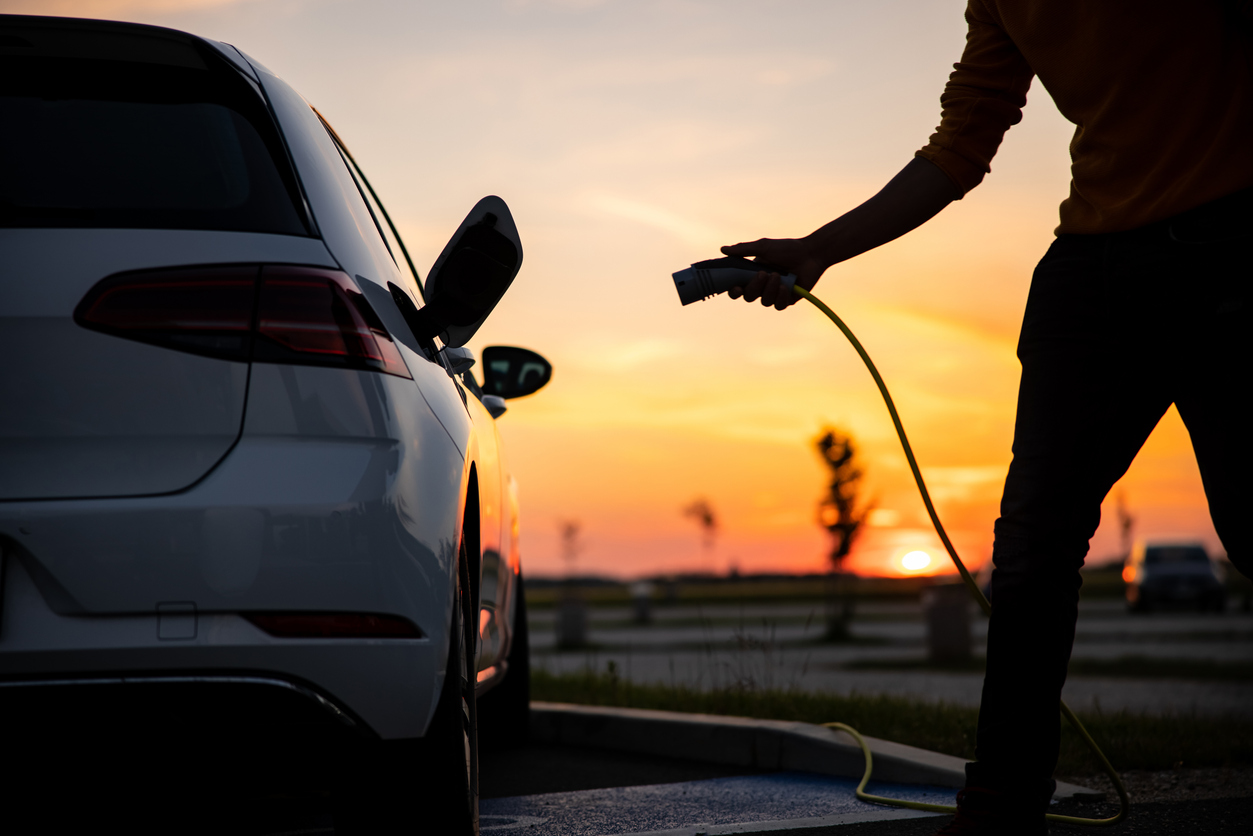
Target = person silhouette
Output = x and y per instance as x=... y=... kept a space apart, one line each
x=1141 y=301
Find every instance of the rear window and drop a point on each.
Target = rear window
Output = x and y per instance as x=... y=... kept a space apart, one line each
x=108 y=129
x=1175 y=554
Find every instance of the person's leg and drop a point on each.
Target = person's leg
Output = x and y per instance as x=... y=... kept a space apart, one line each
x=1214 y=377
x=1087 y=401
x=1117 y=327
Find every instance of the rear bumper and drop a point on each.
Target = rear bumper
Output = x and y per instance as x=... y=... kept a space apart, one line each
x=383 y=687
x=343 y=495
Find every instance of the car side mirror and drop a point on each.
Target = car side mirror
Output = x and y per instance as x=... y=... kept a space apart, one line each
x=512 y=372
x=470 y=276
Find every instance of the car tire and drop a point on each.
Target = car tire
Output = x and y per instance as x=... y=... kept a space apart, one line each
x=429 y=784
x=505 y=711
x=451 y=783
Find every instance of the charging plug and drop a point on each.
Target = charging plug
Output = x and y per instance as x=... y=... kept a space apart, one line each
x=718 y=275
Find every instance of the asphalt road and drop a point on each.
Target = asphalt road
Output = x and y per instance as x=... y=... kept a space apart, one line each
x=196 y=792
x=1215 y=817
x=558 y=770
x=536 y=770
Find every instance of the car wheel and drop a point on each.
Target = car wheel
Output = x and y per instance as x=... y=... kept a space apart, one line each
x=431 y=784
x=505 y=711
x=451 y=764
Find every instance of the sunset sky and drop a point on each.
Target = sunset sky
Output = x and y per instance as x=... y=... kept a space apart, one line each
x=631 y=138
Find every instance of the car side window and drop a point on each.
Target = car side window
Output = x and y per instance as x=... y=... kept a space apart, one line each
x=391 y=239
x=365 y=218
x=381 y=224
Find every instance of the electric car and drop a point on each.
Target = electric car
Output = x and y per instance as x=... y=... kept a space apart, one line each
x=1172 y=574
x=244 y=464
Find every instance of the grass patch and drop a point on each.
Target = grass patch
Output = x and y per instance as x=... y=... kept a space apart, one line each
x=1131 y=741
x=542 y=594
x=1141 y=666
x=975 y=664
x=1134 y=667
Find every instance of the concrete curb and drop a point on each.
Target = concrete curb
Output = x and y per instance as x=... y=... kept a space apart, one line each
x=740 y=741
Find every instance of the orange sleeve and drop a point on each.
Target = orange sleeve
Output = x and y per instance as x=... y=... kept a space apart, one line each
x=984 y=97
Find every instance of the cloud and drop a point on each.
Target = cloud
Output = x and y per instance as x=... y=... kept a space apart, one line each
x=793 y=70
x=107 y=8
x=883 y=518
x=948 y=327
x=624 y=356
x=569 y=5
x=963 y=483
x=688 y=229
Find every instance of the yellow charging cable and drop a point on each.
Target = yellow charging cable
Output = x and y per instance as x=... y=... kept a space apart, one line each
x=1124 y=803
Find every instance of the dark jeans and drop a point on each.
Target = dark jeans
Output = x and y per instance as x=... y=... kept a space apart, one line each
x=1117 y=328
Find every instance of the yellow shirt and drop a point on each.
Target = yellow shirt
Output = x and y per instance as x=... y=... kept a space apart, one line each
x=1161 y=92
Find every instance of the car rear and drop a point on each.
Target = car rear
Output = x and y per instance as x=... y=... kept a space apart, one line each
x=216 y=466
x=1173 y=575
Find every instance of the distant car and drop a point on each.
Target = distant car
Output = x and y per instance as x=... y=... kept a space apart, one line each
x=1172 y=575
x=242 y=459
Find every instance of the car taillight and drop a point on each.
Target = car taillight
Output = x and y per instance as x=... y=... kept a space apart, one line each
x=205 y=310
x=275 y=313
x=334 y=625
x=307 y=314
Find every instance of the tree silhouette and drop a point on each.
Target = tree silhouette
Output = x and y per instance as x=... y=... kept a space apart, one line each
x=1126 y=525
x=571 y=611
x=842 y=514
x=571 y=542
x=702 y=512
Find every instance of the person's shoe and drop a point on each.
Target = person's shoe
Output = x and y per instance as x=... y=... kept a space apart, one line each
x=983 y=812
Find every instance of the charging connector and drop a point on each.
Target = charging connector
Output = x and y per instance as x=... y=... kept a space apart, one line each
x=718 y=275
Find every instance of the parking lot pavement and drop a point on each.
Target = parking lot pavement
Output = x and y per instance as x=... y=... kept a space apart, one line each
x=550 y=768
x=704 y=803
x=710 y=801
x=593 y=791
x=1212 y=817
x=1104 y=622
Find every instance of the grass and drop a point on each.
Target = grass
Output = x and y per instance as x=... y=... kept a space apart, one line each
x=1141 y=666
x=1131 y=741
x=1137 y=667
x=806 y=589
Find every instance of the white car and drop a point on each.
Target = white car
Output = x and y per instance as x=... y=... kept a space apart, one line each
x=241 y=454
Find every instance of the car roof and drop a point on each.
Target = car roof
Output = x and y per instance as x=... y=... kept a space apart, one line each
x=70 y=37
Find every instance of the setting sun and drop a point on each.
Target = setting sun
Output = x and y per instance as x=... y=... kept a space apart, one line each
x=915 y=561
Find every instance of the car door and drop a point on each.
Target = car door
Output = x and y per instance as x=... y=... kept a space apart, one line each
x=496 y=573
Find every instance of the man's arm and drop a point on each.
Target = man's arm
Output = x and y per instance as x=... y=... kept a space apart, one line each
x=910 y=199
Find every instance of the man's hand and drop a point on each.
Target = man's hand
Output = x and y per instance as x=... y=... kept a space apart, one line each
x=910 y=199
x=791 y=254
